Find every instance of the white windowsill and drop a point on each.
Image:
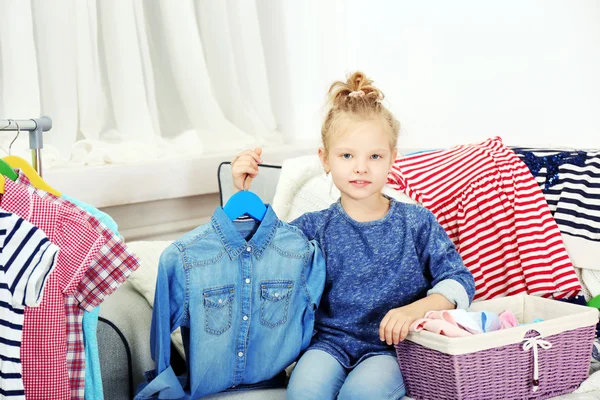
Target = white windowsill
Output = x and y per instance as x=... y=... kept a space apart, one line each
x=111 y=185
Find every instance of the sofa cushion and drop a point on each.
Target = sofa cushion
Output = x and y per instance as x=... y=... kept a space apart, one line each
x=144 y=279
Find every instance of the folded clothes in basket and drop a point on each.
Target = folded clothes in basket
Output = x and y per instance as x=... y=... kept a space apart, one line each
x=460 y=323
x=531 y=361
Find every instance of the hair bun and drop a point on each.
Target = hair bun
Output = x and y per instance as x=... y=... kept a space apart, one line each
x=357 y=97
x=356 y=88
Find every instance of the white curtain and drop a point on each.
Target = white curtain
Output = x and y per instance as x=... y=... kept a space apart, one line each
x=132 y=80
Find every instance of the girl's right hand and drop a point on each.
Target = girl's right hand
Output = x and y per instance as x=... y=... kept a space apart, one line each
x=244 y=168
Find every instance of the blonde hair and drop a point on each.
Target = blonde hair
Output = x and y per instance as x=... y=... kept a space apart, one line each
x=356 y=98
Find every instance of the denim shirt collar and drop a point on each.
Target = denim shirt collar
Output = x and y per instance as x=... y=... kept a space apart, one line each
x=233 y=241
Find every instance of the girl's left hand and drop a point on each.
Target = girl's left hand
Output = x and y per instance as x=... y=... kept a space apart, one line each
x=394 y=326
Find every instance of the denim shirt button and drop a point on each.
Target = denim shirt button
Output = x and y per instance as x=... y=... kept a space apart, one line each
x=247 y=280
x=248 y=249
x=240 y=354
x=245 y=318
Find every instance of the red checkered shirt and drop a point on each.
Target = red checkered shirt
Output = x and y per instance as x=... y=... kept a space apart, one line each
x=43 y=350
x=110 y=268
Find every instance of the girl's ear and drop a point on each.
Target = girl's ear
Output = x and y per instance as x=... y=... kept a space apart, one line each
x=394 y=155
x=324 y=160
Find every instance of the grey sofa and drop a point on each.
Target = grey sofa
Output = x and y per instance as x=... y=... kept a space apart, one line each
x=125 y=318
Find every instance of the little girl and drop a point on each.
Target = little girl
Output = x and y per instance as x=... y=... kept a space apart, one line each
x=388 y=263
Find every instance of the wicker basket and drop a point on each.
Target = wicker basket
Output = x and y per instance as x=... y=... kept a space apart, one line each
x=501 y=365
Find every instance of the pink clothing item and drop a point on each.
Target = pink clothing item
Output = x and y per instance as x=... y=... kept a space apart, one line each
x=440 y=322
x=444 y=323
x=508 y=320
x=111 y=266
x=44 y=345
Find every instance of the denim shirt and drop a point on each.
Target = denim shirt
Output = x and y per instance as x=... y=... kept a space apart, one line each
x=244 y=295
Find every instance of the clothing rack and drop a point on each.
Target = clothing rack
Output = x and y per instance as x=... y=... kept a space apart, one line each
x=36 y=128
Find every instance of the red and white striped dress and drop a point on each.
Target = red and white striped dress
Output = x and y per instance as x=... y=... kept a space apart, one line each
x=495 y=213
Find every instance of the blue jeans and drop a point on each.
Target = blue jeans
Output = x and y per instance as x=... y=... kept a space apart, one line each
x=318 y=375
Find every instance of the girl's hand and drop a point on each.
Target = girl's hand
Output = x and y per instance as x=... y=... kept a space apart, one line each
x=244 y=168
x=395 y=324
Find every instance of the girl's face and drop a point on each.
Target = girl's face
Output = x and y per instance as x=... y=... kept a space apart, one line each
x=359 y=159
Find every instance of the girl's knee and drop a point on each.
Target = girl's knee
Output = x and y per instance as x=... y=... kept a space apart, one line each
x=377 y=377
x=312 y=388
x=316 y=376
x=304 y=393
x=358 y=391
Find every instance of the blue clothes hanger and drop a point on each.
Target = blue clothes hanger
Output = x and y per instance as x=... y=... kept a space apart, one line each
x=245 y=203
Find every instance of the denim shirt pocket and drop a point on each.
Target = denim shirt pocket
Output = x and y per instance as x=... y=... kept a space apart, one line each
x=218 y=308
x=274 y=302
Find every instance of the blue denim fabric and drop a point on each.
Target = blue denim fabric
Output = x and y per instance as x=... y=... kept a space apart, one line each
x=319 y=376
x=244 y=295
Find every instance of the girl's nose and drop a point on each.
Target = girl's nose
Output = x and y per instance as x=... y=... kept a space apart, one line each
x=360 y=168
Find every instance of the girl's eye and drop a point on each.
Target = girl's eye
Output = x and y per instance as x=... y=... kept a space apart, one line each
x=375 y=156
x=346 y=156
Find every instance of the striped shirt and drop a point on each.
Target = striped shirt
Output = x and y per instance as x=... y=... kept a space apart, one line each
x=27 y=258
x=570 y=181
x=491 y=207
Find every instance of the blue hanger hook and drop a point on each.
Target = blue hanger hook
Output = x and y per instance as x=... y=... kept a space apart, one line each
x=245 y=203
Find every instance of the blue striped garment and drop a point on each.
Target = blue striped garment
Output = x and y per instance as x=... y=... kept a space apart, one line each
x=570 y=181
x=27 y=258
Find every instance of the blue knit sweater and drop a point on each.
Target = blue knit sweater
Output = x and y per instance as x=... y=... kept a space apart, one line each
x=375 y=266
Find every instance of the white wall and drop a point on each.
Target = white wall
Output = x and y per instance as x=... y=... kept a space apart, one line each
x=454 y=71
